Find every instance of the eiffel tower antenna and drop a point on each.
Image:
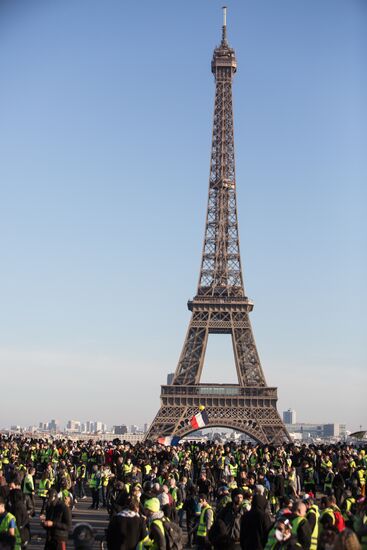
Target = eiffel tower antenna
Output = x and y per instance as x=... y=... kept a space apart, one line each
x=220 y=305
x=224 y=27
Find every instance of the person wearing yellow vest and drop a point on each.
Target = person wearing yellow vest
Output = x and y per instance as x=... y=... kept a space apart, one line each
x=300 y=526
x=95 y=486
x=127 y=468
x=327 y=517
x=328 y=482
x=361 y=477
x=348 y=507
x=8 y=526
x=43 y=487
x=156 y=539
x=280 y=536
x=312 y=516
x=28 y=489
x=205 y=522
x=105 y=477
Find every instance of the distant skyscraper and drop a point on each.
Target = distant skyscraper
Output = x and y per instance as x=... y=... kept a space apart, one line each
x=53 y=425
x=120 y=430
x=289 y=416
x=73 y=426
x=170 y=378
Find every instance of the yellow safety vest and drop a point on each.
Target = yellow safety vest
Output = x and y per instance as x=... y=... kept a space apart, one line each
x=43 y=487
x=315 y=532
x=202 y=530
x=4 y=528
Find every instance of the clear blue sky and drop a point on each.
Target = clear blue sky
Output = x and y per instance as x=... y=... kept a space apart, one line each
x=106 y=114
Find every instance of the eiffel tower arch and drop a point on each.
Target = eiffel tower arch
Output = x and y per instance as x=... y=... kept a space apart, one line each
x=220 y=305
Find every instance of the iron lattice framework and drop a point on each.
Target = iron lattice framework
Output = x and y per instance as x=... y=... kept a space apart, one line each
x=220 y=305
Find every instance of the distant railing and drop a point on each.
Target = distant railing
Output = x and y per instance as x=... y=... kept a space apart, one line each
x=220 y=389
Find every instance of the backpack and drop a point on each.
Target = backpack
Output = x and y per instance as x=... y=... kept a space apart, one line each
x=173 y=534
x=339 y=521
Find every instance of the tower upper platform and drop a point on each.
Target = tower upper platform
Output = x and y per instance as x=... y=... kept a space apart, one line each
x=224 y=56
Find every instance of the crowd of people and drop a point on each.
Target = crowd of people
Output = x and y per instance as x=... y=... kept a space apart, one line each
x=204 y=495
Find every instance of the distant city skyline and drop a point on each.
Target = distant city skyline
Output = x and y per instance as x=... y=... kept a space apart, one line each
x=106 y=125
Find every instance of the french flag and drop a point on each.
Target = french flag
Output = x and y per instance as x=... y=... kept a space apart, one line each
x=168 y=440
x=199 y=420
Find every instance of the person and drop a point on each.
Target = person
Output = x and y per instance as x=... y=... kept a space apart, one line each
x=181 y=497
x=15 y=504
x=8 y=527
x=281 y=537
x=192 y=508
x=81 y=473
x=300 y=527
x=225 y=532
x=256 y=523
x=127 y=528
x=155 y=524
x=43 y=487
x=223 y=498
x=57 y=522
x=312 y=516
x=95 y=486
x=28 y=489
x=205 y=522
x=204 y=485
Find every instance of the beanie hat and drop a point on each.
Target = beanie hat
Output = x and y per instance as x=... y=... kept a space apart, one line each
x=152 y=504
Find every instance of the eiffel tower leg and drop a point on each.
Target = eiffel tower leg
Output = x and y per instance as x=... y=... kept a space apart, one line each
x=188 y=371
x=246 y=357
x=192 y=356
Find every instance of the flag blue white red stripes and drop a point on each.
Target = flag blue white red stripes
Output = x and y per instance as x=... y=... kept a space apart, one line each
x=199 y=420
x=168 y=440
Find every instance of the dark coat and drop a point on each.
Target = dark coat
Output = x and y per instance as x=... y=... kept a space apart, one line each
x=60 y=515
x=125 y=530
x=255 y=525
x=16 y=506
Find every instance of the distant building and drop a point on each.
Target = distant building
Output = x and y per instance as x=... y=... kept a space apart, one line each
x=98 y=426
x=53 y=425
x=120 y=430
x=289 y=416
x=170 y=377
x=335 y=430
x=73 y=426
x=317 y=431
x=134 y=429
x=145 y=428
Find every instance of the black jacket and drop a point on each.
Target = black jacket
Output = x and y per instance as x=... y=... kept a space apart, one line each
x=60 y=515
x=255 y=525
x=16 y=506
x=125 y=530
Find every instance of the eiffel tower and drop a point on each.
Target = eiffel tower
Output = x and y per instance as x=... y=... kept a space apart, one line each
x=220 y=305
